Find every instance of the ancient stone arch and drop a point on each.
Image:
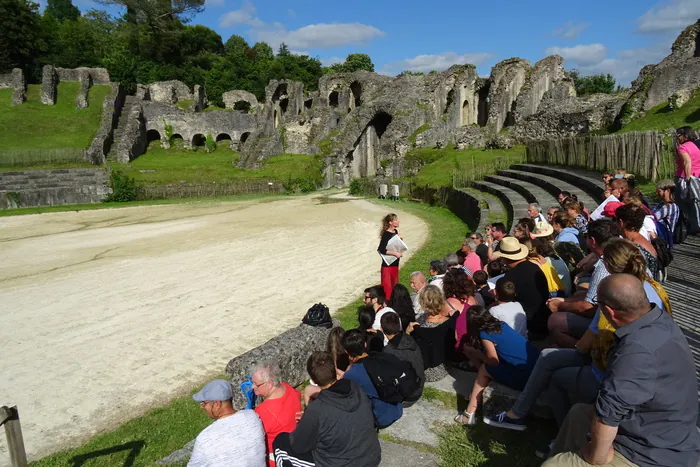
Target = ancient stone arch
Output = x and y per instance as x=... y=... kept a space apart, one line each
x=223 y=137
x=450 y=100
x=308 y=103
x=334 y=99
x=244 y=137
x=152 y=135
x=356 y=94
x=198 y=140
x=242 y=106
x=233 y=99
x=177 y=140
x=466 y=112
x=284 y=104
x=364 y=159
x=482 y=96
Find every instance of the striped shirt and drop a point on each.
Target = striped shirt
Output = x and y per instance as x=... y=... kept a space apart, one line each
x=669 y=213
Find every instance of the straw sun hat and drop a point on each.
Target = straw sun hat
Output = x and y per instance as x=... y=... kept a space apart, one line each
x=511 y=248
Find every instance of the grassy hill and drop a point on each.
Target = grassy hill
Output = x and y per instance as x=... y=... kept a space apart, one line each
x=176 y=165
x=662 y=117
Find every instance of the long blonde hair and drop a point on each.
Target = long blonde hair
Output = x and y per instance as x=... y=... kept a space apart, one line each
x=622 y=256
x=431 y=300
x=385 y=222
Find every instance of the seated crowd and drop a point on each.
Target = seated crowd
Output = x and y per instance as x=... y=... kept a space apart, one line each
x=570 y=307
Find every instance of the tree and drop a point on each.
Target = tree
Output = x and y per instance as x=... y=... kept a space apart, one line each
x=157 y=14
x=62 y=10
x=20 y=35
x=353 y=62
x=602 y=83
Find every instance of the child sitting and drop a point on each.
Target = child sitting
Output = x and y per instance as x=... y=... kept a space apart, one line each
x=506 y=357
x=483 y=289
x=507 y=309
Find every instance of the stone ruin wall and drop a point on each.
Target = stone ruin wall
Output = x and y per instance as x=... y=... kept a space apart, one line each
x=51 y=76
x=15 y=81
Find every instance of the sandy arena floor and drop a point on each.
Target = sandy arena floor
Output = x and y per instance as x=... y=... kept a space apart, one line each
x=105 y=314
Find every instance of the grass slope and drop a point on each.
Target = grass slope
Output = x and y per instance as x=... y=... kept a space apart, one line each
x=175 y=165
x=443 y=162
x=33 y=125
x=662 y=118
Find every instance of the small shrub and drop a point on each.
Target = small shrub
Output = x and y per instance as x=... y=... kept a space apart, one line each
x=300 y=185
x=210 y=143
x=123 y=188
x=168 y=130
x=355 y=188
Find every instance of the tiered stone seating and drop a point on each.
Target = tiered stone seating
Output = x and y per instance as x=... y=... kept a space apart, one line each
x=516 y=205
x=589 y=182
x=530 y=191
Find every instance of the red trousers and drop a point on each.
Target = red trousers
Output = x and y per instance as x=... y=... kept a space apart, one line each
x=390 y=277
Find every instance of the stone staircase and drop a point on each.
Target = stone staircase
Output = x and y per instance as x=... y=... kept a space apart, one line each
x=123 y=137
x=53 y=187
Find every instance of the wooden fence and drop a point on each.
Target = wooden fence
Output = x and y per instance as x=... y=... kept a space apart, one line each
x=209 y=190
x=9 y=418
x=28 y=157
x=649 y=155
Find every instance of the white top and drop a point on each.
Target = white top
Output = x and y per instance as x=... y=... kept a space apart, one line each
x=513 y=315
x=378 y=320
x=648 y=227
x=237 y=440
x=598 y=213
x=437 y=282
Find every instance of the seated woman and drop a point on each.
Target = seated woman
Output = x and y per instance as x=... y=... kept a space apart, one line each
x=460 y=294
x=402 y=304
x=554 y=283
x=507 y=357
x=578 y=373
x=366 y=318
x=523 y=228
x=434 y=332
x=631 y=219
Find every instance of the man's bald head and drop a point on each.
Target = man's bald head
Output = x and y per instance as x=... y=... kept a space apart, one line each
x=622 y=298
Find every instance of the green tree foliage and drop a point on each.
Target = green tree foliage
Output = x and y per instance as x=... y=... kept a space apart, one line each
x=21 y=40
x=353 y=62
x=602 y=83
x=62 y=10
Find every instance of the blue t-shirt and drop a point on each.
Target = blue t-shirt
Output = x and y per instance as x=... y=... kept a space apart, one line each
x=512 y=348
x=384 y=413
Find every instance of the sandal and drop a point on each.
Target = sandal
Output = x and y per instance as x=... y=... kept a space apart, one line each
x=466 y=419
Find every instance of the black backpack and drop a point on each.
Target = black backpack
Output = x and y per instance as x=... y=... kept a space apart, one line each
x=680 y=233
x=663 y=256
x=318 y=316
x=394 y=380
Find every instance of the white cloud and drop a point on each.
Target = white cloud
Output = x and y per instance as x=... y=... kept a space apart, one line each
x=626 y=64
x=244 y=15
x=581 y=55
x=427 y=63
x=318 y=36
x=669 y=16
x=571 y=29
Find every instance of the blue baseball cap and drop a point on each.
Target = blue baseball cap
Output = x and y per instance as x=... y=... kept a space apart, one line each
x=217 y=390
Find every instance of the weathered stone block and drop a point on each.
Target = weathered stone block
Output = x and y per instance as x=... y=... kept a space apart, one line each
x=81 y=100
x=199 y=102
x=49 y=79
x=290 y=350
x=231 y=97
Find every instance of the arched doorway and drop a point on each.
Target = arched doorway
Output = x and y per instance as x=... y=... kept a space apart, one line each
x=308 y=103
x=177 y=141
x=152 y=135
x=198 y=140
x=333 y=99
x=466 y=113
x=242 y=106
x=356 y=91
x=223 y=137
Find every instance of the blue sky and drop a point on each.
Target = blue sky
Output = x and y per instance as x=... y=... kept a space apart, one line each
x=612 y=36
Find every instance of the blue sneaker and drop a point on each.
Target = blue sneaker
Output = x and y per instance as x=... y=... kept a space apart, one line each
x=502 y=420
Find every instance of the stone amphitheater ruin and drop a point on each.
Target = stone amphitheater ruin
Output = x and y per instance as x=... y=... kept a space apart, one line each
x=362 y=123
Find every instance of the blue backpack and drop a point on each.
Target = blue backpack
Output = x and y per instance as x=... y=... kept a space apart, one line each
x=663 y=231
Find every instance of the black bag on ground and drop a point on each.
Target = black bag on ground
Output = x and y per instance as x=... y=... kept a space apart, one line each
x=394 y=380
x=663 y=257
x=680 y=233
x=318 y=316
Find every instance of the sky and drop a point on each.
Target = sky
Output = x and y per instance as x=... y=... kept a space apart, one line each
x=593 y=36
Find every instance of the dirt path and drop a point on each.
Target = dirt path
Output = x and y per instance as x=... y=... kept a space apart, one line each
x=107 y=313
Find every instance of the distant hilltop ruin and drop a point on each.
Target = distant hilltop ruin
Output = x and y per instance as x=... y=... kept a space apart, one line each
x=363 y=124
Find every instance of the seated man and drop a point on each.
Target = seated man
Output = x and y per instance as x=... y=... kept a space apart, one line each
x=405 y=349
x=280 y=406
x=355 y=344
x=337 y=428
x=646 y=410
x=417 y=283
x=235 y=438
x=375 y=298
x=571 y=316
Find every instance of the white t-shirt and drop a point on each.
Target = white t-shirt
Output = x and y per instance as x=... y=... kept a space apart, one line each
x=237 y=440
x=648 y=227
x=378 y=320
x=513 y=315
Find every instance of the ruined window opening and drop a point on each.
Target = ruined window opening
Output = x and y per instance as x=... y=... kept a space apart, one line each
x=198 y=140
x=510 y=116
x=337 y=121
x=697 y=46
x=465 y=112
x=244 y=137
x=380 y=122
x=242 y=106
x=280 y=92
x=223 y=137
x=333 y=99
x=308 y=103
x=284 y=104
x=356 y=90
x=152 y=135
x=450 y=99
x=482 y=110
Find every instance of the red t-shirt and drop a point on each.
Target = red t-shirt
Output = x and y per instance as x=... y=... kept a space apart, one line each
x=278 y=415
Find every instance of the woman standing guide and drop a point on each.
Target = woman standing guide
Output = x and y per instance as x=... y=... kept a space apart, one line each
x=686 y=179
x=390 y=272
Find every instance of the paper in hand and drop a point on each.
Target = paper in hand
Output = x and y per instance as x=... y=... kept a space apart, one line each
x=395 y=244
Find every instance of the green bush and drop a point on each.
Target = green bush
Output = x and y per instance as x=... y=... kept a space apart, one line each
x=355 y=188
x=300 y=185
x=210 y=143
x=123 y=188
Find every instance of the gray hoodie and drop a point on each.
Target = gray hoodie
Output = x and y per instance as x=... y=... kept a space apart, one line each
x=338 y=428
x=406 y=349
